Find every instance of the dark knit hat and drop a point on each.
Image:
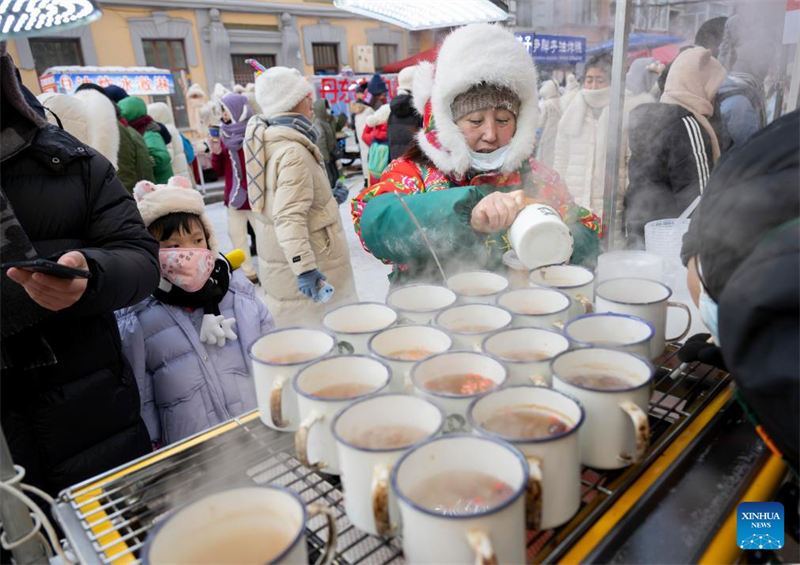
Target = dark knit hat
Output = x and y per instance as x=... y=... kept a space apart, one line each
x=115 y=93
x=377 y=86
x=484 y=96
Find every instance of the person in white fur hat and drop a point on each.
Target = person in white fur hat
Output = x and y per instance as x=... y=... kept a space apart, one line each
x=470 y=171
x=302 y=242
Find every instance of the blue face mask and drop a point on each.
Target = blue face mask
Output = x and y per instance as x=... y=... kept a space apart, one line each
x=488 y=161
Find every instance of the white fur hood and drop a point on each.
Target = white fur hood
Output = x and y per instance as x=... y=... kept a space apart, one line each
x=160 y=112
x=474 y=54
x=381 y=116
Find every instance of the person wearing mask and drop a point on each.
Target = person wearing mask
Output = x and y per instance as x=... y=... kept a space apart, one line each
x=134 y=110
x=117 y=94
x=302 y=242
x=470 y=171
x=187 y=343
x=550 y=116
x=68 y=399
x=162 y=114
x=404 y=121
x=376 y=136
x=227 y=158
x=673 y=145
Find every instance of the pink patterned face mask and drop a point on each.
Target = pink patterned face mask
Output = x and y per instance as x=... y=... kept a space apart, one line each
x=187 y=268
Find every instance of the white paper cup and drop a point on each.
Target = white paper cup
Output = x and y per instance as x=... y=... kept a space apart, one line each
x=574 y=281
x=508 y=345
x=556 y=459
x=419 y=303
x=277 y=401
x=354 y=324
x=265 y=523
x=481 y=287
x=536 y=307
x=617 y=430
x=407 y=338
x=627 y=333
x=365 y=471
x=469 y=324
x=495 y=535
x=314 y=443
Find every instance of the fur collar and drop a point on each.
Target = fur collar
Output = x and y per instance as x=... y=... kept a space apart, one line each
x=381 y=116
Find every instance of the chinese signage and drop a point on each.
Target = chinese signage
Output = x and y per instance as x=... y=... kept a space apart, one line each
x=135 y=81
x=554 y=48
x=340 y=90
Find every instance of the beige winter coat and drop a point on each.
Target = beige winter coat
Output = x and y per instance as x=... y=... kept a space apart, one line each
x=160 y=112
x=301 y=228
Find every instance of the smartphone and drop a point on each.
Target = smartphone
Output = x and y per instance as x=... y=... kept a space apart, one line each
x=49 y=268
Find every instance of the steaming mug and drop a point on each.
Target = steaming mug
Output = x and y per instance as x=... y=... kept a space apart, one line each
x=509 y=346
x=477 y=287
x=419 y=303
x=574 y=281
x=420 y=341
x=277 y=356
x=645 y=299
x=607 y=329
x=313 y=441
x=354 y=324
x=536 y=307
x=554 y=461
x=493 y=535
x=617 y=430
x=469 y=324
x=540 y=237
x=259 y=524
x=366 y=470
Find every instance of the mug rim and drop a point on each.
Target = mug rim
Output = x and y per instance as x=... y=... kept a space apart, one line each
x=615 y=314
x=384 y=357
x=508 y=283
x=520 y=328
x=150 y=539
x=640 y=279
x=424 y=390
x=512 y=441
x=646 y=361
x=590 y=281
x=255 y=359
x=472 y=305
x=489 y=511
x=416 y=310
x=310 y=396
x=350 y=305
x=537 y=288
x=428 y=436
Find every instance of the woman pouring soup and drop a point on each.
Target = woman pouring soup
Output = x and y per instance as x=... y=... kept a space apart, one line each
x=470 y=171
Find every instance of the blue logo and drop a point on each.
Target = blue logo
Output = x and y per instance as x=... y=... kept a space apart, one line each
x=759 y=525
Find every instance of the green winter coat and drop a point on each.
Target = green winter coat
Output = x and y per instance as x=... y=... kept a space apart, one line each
x=327 y=138
x=133 y=109
x=133 y=160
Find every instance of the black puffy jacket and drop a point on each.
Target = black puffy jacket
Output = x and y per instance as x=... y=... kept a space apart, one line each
x=404 y=122
x=79 y=417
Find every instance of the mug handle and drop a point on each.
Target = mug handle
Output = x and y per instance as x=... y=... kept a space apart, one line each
x=380 y=498
x=330 y=546
x=481 y=545
x=641 y=429
x=533 y=496
x=539 y=380
x=345 y=348
x=301 y=441
x=685 y=308
x=585 y=302
x=275 y=404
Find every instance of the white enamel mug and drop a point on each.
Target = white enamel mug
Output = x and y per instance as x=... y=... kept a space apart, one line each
x=617 y=430
x=314 y=443
x=536 y=307
x=574 y=281
x=402 y=346
x=468 y=324
x=258 y=524
x=277 y=356
x=477 y=287
x=419 y=303
x=492 y=535
x=607 y=329
x=645 y=299
x=540 y=237
x=456 y=363
x=555 y=461
x=366 y=470
x=526 y=352
x=354 y=324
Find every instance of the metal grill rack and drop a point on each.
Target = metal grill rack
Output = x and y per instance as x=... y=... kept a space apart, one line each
x=107 y=519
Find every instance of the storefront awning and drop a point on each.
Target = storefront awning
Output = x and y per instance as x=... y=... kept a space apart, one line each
x=397 y=66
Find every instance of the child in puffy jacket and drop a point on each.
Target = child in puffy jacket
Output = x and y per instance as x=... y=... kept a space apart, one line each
x=188 y=342
x=376 y=136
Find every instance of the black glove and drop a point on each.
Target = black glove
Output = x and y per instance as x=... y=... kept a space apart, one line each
x=340 y=192
x=697 y=348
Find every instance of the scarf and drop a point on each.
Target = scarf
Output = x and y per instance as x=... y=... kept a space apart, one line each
x=233 y=137
x=297 y=122
x=140 y=124
x=207 y=298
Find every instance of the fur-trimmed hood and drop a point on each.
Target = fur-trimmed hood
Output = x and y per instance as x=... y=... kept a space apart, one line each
x=471 y=55
x=381 y=116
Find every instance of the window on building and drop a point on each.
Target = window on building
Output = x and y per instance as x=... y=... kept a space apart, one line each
x=384 y=53
x=55 y=52
x=170 y=54
x=326 y=58
x=585 y=12
x=244 y=73
x=651 y=15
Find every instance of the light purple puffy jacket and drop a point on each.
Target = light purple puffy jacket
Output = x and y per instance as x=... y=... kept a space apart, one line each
x=185 y=385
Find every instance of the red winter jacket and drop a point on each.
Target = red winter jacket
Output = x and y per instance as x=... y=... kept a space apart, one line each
x=377 y=133
x=222 y=165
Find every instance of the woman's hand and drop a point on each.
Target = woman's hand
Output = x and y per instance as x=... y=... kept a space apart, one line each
x=214 y=144
x=497 y=211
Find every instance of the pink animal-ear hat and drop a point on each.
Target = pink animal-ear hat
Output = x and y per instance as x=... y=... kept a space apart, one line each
x=178 y=195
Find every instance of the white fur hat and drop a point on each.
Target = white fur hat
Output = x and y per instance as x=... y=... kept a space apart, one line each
x=405 y=79
x=178 y=195
x=279 y=89
x=471 y=55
